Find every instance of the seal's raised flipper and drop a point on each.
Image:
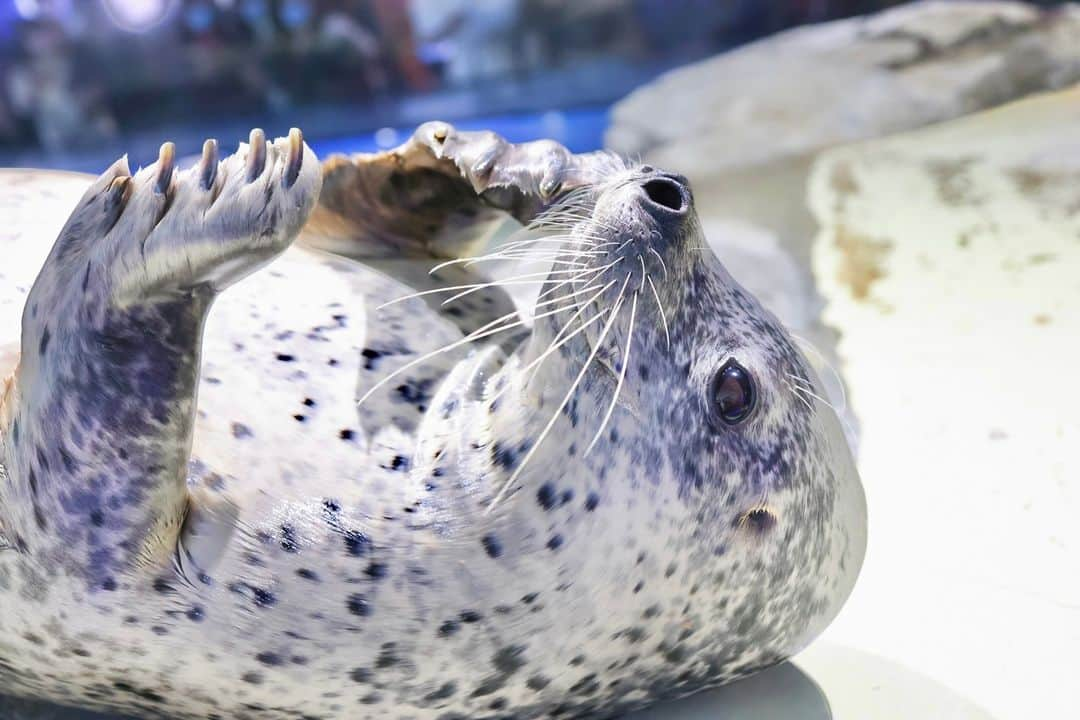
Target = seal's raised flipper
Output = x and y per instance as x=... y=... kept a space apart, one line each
x=430 y=196
x=442 y=195
x=95 y=427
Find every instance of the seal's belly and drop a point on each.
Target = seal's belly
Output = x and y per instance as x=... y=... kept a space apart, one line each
x=285 y=353
x=354 y=617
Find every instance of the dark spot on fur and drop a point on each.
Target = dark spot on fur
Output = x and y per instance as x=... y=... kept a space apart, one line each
x=356 y=543
x=361 y=675
x=289 y=542
x=445 y=691
x=371 y=358
x=503 y=456
x=448 y=628
x=358 y=605
x=492 y=546
x=263 y=598
x=555 y=542
x=387 y=657
x=143 y=693
x=509 y=660
x=545 y=496
x=270 y=659
x=758 y=520
x=285 y=357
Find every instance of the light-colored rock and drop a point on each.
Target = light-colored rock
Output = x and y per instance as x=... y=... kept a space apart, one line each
x=822 y=85
x=950 y=262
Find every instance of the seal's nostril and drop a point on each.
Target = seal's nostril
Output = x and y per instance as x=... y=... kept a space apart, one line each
x=665 y=192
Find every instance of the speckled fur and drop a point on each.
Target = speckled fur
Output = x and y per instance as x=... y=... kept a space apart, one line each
x=321 y=564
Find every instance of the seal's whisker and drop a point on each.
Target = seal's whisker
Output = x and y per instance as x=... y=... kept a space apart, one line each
x=622 y=374
x=485 y=331
x=795 y=392
x=561 y=283
x=518 y=245
x=663 y=313
x=802 y=391
x=568 y=219
x=500 y=253
x=832 y=370
x=566 y=398
x=579 y=275
x=515 y=280
x=803 y=385
x=533 y=253
x=559 y=340
x=662 y=263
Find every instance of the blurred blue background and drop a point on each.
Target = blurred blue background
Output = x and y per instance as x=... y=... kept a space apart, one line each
x=86 y=80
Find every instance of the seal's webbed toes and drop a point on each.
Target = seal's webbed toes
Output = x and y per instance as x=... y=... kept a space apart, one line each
x=215 y=222
x=522 y=179
x=267 y=190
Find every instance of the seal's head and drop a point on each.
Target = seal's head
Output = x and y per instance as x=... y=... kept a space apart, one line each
x=693 y=411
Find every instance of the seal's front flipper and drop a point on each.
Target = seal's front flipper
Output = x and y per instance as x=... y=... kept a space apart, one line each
x=95 y=429
x=443 y=195
x=436 y=195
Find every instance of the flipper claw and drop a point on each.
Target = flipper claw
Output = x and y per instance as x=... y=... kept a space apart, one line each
x=256 y=159
x=166 y=165
x=295 y=158
x=208 y=164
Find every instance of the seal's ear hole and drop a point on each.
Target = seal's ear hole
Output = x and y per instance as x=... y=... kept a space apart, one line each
x=732 y=394
x=663 y=191
x=758 y=521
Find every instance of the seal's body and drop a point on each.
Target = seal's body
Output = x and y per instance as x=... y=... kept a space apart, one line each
x=639 y=499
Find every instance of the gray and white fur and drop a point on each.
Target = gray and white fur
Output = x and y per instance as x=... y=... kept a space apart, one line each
x=554 y=526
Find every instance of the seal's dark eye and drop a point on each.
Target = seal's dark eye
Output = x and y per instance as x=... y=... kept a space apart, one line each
x=732 y=396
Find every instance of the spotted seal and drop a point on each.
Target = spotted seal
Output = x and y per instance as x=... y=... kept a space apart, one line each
x=628 y=492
